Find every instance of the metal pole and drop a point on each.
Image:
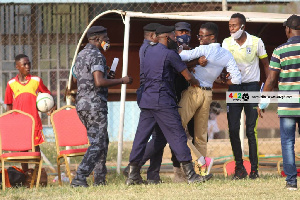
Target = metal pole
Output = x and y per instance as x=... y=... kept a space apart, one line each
x=242 y=131
x=224 y=5
x=123 y=93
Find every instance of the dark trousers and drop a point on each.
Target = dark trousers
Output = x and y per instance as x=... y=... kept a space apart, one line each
x=169 y=121
x=95 y=156
x=234 y=115
x=154 y=151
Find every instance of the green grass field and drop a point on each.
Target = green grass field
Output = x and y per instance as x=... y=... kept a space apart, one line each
x=266 y=187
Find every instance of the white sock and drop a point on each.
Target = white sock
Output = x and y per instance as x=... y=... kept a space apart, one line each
x=201 y=160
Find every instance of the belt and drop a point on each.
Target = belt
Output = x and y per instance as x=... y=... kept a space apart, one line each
x=204 y=88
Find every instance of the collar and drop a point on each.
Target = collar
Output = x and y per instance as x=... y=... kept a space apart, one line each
x=28 y=77
x=246 y=43
x=215 y=45
x=295 y=38
x=90 y=46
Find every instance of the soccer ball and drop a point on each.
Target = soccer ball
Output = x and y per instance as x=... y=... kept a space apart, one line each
x=44 y=102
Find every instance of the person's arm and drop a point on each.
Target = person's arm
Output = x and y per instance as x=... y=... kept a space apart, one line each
x=9 y=107
x=265 y=63
x=190 y=78
x=100 y=81
x=188 y=55
x=232 y=68
x=263 y=56
x=8 y=99
x=269 y=86
x=181 y=67
x=42 y=88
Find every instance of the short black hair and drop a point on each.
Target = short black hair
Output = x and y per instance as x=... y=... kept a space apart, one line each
x=19 y=57
x=240 y=16
x=212 y=27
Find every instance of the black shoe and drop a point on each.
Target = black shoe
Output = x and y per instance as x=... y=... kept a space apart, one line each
x=191 y=175
x=154 y=182
x=134 y=176
x=240 y=173
x=253 y=175
x=126 y=171
x=79 y=183
x=291 y=186
x=99 y=183
x=208 y=176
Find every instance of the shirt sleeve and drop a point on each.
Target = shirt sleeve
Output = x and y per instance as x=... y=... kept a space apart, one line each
x=275 y=61
x=8 y=99
x=188 y=55
x=43 y=88
x=224 y=44
x=97 y=64
x=176 y=61
x=232 y=68
x=261 y=50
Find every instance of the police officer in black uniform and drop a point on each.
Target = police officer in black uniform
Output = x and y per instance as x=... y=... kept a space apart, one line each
x=158 y=105
x=90 y=74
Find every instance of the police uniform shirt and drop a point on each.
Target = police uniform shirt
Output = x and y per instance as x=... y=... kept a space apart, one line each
x=247 y=56
x=89 y=97
x=142 y=55
x=160 y=67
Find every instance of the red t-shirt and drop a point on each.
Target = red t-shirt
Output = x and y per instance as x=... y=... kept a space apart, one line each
x=23 y=97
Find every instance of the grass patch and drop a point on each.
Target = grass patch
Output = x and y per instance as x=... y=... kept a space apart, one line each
x=267 y=187
x=49 y=149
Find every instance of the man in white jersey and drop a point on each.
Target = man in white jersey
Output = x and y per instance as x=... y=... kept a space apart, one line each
x=247 y=50
x=195 y=101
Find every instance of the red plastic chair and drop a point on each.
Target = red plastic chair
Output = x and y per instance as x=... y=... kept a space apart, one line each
x=229 y=167
x=16 y=135
x=69 y=131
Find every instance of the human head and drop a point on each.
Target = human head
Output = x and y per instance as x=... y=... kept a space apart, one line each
x=23 y=64
x=166 y=36
x=183 y=33
x=97 y=35
x=292 y=26
x=208 y=33
x=149 y=32
x=237 y=24
x=215 y=107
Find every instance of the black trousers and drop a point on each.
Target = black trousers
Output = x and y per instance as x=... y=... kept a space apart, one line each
x=234 y=115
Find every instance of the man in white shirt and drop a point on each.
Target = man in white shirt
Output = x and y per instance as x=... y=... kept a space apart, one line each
x=195 y=101
x=247 y=50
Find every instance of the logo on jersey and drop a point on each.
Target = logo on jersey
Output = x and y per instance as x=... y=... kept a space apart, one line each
x=248 y=50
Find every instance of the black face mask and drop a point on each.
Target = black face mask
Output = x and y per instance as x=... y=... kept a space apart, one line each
x=172 y=44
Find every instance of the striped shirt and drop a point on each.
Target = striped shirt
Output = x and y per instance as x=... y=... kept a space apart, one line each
x=286 y=60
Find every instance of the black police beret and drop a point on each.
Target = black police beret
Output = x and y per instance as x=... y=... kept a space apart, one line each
x=293 y=22
x=182 y=26
x=151 y=27
x=95 y=30
x=164 y=29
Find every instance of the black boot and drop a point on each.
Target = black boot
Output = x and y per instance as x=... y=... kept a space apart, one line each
x=134 y=176
x=191 y=175
x=126 y=171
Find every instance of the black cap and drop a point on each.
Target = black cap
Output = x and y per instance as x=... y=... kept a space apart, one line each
x=182 y=26
x=293 y=22
x=95 y=30
x=164 y=29
x=151 y=27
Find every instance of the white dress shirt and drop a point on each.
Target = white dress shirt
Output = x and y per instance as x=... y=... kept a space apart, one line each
x=217 y=58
